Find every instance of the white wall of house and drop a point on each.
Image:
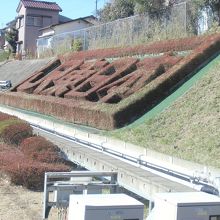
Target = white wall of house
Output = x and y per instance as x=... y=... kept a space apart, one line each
x=71 y=26
x=20 y=26
x=66 y=27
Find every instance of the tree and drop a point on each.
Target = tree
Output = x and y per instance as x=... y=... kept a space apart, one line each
x=124 y=8
x=150 y=6
x=11 y=37
x=198 y=5
x=116 y=9
x=196 y=10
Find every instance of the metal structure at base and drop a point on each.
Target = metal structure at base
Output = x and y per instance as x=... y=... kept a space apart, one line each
x=105 y=207
x=190 y=206
x=63 y=184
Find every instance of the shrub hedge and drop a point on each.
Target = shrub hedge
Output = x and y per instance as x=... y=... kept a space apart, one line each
x=16 y=133
x=30 y=174
x=110 y=116
x=38 y=148
x=4 y=117
x=27 y=163
x=183 y=44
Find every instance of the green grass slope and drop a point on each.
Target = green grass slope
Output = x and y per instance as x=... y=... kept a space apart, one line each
x=189 y=128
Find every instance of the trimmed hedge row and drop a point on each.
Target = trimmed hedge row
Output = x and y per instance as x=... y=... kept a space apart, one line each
x=183 y=44
x=30 y=174
x=77 y=112
x=38 y=148
x=16 y=133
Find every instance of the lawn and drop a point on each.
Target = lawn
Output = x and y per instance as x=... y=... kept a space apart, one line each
x=189 y=128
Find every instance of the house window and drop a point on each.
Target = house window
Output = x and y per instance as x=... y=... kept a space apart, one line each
x=47 y=21
x=20 y=23
x=34 y=21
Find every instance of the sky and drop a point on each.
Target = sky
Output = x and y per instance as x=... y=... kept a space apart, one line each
x=71 y=8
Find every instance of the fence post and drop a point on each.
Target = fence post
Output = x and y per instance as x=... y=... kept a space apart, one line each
x=84 y=40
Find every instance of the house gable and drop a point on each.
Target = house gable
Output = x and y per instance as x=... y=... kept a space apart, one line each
x=43 y=5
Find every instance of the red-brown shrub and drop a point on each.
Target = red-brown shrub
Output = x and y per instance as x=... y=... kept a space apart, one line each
x=30 y=174
x=150 y=48
x=16 y=133
x=38 y=148
x=25 y=171
x=9 y=156
x=27 y=168
x=4 y=116
x=4 y=147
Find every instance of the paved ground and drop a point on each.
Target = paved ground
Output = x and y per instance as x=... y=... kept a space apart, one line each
x=16 y=70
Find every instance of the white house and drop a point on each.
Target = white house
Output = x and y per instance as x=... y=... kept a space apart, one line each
x=69 y=26
x=62 y=31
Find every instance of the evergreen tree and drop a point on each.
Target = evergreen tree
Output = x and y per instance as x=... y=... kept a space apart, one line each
x=150 y=6
x=11 y=37
x=116 y=9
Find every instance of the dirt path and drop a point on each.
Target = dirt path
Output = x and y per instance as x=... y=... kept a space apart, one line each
x=17 y=203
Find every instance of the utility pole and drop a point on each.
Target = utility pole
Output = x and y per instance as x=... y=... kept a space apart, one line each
x=96 y=8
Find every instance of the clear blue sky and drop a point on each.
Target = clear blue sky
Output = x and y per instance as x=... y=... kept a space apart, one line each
x=71 y=8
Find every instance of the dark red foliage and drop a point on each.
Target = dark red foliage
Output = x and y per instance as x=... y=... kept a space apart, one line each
x=151 y=48
x=4 y=117
x=38 y=148
x=27 y=164
x=83 y=94
x=30 y=174
x=9 y=155
x=26 y=171
x=16 y=133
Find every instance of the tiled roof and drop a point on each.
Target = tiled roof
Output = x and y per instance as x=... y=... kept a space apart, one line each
x=41 y=5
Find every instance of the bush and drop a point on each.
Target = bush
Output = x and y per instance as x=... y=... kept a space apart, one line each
x=27 y=164
x=38 y=148
x=30 y=174
x=77 y=45
x=16 y=133
x=4 y=117
x=9 y=156
x=25 y=171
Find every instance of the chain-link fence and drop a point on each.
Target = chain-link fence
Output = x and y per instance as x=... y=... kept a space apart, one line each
x=174 y=22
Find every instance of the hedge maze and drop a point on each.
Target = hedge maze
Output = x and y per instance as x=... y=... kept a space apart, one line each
x=109 y=88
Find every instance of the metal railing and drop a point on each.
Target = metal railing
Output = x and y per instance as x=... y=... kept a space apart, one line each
x=122 y=32
x=63 y=184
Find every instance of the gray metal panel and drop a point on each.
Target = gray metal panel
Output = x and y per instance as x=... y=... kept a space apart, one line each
x=108 y=213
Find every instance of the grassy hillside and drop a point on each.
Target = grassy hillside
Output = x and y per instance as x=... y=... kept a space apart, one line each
x=189 y=128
